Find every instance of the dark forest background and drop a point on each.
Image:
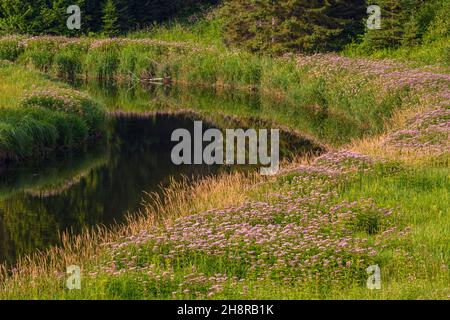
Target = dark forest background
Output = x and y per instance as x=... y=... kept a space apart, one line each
x=256 y=25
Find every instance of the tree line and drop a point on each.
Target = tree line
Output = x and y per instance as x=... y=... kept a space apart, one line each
x=327 y=25
x=112 y=17
x=275 y=26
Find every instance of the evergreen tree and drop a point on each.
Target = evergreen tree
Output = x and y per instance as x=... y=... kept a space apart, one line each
x=110 y=19
x=50 y=16
x=92 y=13
x=292 y=25
x=392 y=25
x=410 y=35
x=18 y=16
x=351 y=14
x=125 y=15
x=240 y=29
x=54 y=16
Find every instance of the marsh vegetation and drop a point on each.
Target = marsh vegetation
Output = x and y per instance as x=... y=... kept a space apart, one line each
x=365 y=179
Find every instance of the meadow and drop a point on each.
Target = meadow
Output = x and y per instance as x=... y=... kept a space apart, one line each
x=38 y=115
x=378 y=196
x=312 y=96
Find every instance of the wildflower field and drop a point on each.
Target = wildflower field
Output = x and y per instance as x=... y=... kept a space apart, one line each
x=379 y=195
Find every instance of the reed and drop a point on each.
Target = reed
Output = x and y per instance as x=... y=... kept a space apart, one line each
x=309 y=232
x=43 y=119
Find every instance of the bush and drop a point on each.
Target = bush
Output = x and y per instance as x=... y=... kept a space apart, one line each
x=69 y=102
x=10 y=48
x=103 y=60
x=69 y=61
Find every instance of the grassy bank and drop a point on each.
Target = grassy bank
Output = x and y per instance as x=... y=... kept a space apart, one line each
x=435 y=53
x=38 y=115
x=315 y=100
x=310 y=232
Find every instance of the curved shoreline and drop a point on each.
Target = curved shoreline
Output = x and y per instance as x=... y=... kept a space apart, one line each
x=131 y=233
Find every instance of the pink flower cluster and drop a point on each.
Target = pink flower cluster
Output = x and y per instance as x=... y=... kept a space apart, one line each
x=295 y=235
x=428 y=133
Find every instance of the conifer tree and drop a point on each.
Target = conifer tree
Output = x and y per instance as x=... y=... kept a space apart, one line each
x=391 y=32
x=50 y=16
x=110 y=19
x=292 y=25
x=54 y=16
x=126 y=19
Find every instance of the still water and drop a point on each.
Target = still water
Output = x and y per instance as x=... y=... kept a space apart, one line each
x=101 y=184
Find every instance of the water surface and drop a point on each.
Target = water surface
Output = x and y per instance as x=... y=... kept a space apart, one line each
x=100 y=185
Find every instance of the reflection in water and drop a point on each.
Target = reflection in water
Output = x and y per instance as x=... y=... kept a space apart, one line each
x=39 y=200
x=297 y=113
x=100 y=185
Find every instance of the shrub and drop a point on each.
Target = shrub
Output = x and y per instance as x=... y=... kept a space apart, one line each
x=70 y=102
x=69 y=61
x=10 y=48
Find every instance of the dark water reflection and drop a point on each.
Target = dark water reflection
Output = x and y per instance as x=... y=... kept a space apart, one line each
x=38 y=200
x=99 y=185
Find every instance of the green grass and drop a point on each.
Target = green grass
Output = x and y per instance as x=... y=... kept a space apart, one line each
x=413 y=266
x=206 y=31
x=333 y=106
x=435 y=53
x=38 y=115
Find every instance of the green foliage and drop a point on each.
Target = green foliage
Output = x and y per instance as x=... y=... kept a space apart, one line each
x=439 y=26
x=17 y=16
x=49 y=17
x=45 y=119
x=281 y=26
x=110 y=19
x=393 y=18
x=408 y=23
x=411 y=30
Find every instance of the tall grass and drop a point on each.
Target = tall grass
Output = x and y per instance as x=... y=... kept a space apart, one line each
x=68 y=61
x=326 y=96
x=10 y=48
x=414 y=266
x=35 y=120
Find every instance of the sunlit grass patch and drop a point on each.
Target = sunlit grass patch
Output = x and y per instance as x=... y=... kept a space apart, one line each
x=309 y=234
x=38 y=115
